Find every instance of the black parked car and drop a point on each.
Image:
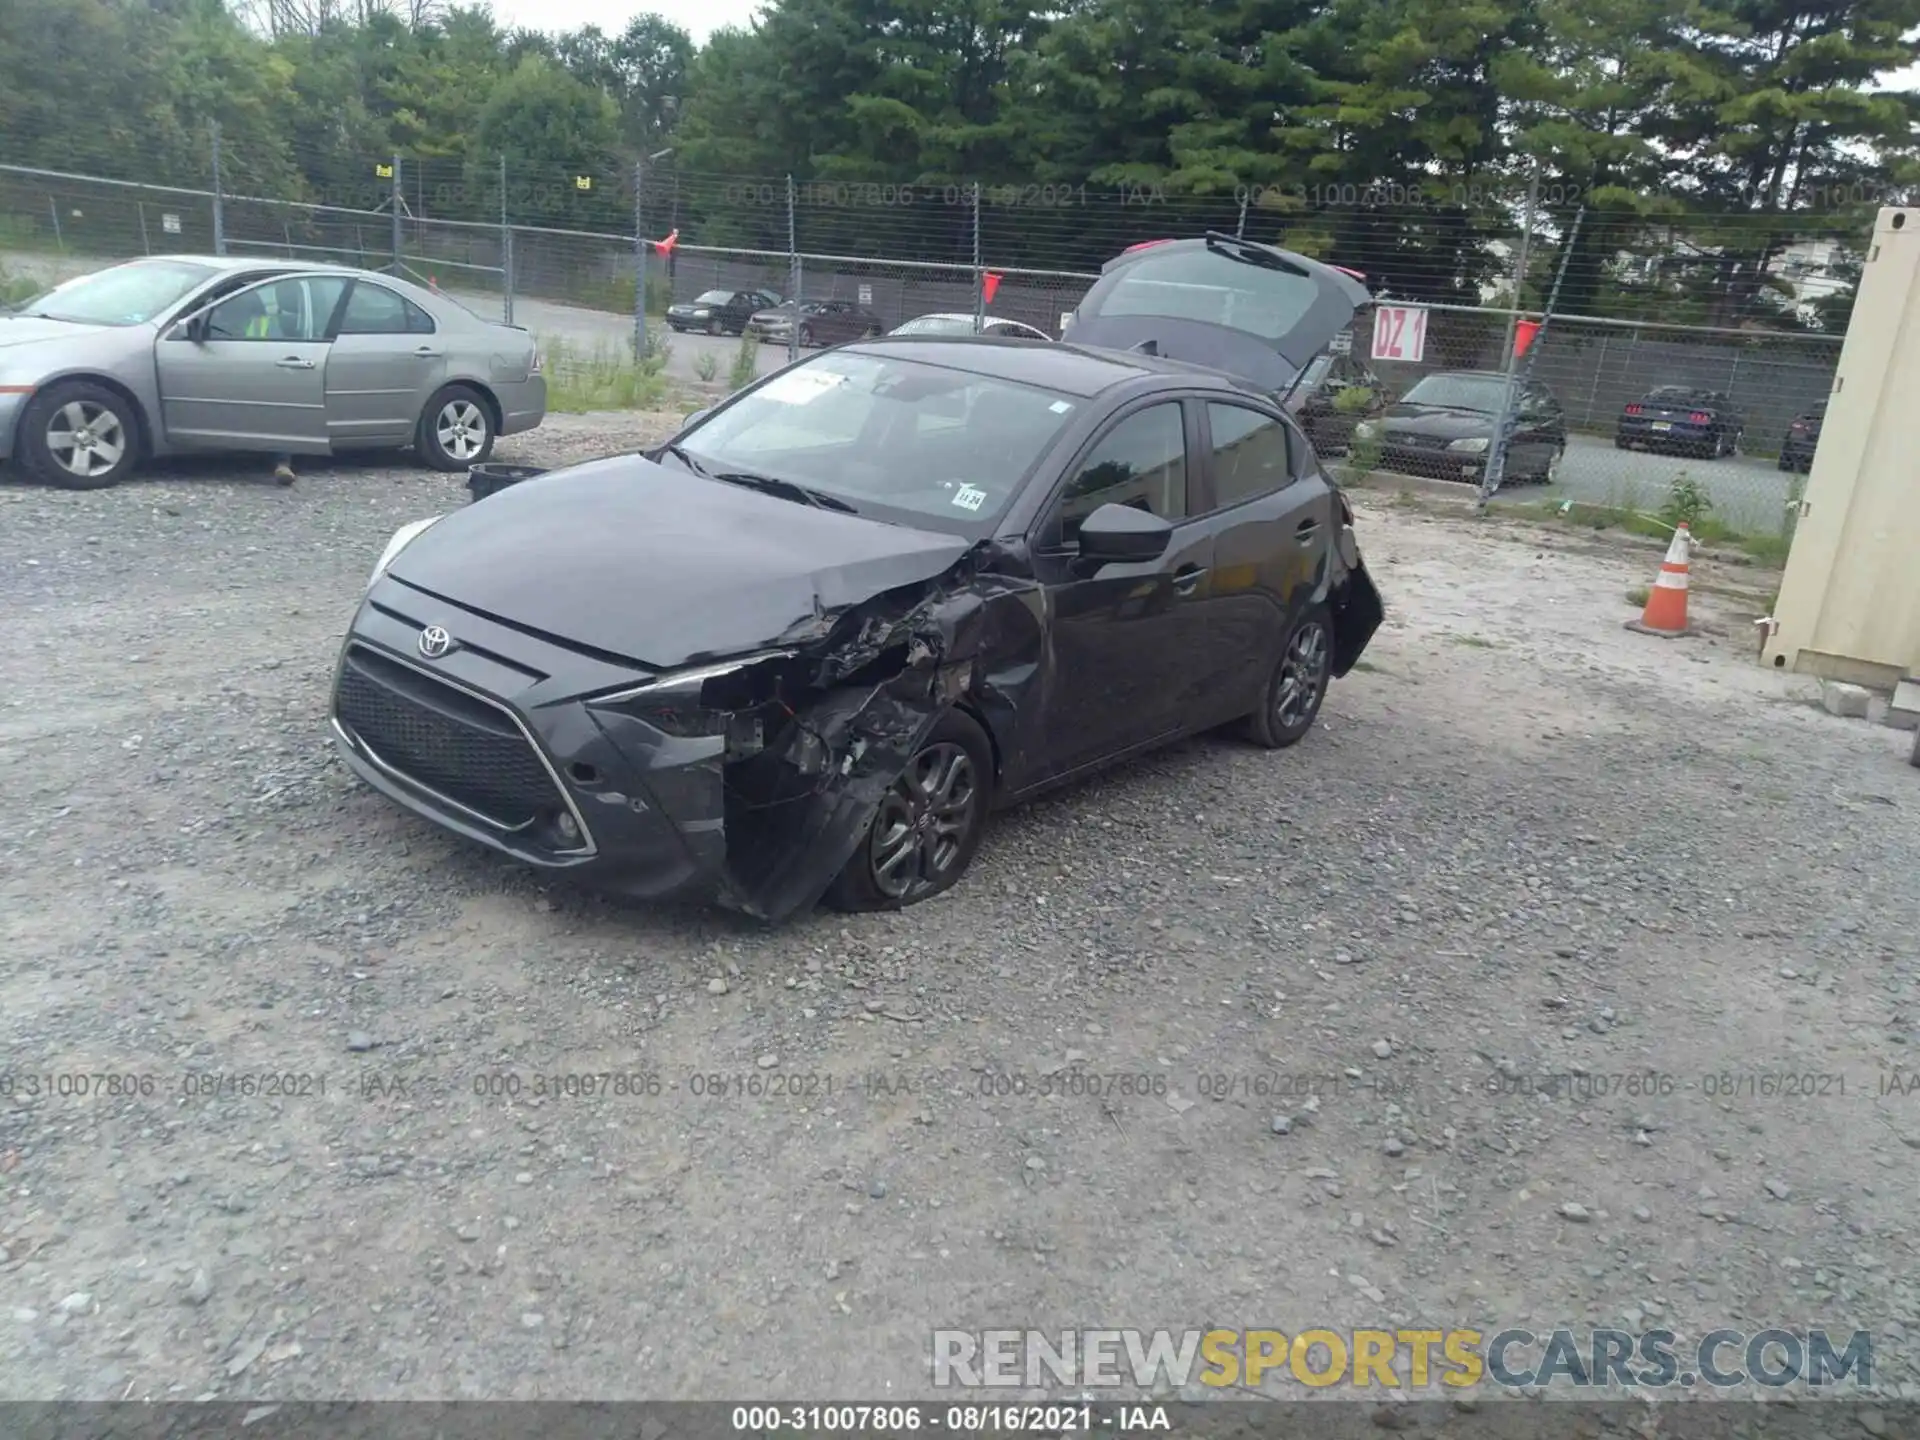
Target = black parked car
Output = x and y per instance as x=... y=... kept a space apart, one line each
x=801 y=649
x=1443 y=428
x=1682 y=418
x=1316 y=402
x=1803 y=438
x=720 y=312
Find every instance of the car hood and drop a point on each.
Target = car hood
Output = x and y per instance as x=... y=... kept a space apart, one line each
x=654 y=564
x=27 y=330
x=1438 y=421
x=1272 y=363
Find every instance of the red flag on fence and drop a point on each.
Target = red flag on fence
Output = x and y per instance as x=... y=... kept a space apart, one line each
x=989 y=283
x=665 y=247
x=1523 y=333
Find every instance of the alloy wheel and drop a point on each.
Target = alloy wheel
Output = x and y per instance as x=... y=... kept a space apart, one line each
x=922 y=826
x=86 y=439
x=461 y=429
x=1303 y=672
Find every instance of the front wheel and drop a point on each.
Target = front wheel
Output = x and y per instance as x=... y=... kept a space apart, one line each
x=806 y=336
x=79 y=436
x=456 y=429
x=928 y=826
x=1551 y=471
x=1291 y=701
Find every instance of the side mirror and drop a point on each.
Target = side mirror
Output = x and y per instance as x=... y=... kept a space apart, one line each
x=1122 y=533
x=193 y=328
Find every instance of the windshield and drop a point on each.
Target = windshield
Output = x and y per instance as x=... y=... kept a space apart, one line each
x=937 y=325
x=1459 y=392
x=1210 y=287
x=713 y=297
x=932 y=444
x=124 y=295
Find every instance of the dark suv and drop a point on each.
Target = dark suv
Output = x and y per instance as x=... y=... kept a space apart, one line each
x=1803 y=438
x=1335 y=394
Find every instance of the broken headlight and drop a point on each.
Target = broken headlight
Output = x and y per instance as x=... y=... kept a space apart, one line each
x=708 y=700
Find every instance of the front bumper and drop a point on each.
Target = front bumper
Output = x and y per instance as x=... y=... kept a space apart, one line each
x=494 y=743
x=1432 y=463
x=11 y=404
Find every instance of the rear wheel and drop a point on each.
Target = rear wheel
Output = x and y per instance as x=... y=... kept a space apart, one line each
x=1551 y=471
x=806 y=336
x=1299 y=682
x=456 y=429
x=79 y=436
x=928 y=826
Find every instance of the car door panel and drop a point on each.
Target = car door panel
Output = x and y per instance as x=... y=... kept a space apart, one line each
x=379 y=379
x=1120 y=638
x=1273 y=521
x=256 y=378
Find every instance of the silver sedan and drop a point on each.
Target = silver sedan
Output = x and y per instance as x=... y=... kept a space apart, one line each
x=178 y=353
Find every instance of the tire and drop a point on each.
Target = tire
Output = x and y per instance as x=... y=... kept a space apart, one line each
x=457 y=429
x=79 y=436
x=715 y=327
x=1287 y=714
x=1620 y=442
x=907 y=825
x=1785 y=462
x=1552 y=471
x=806 y=337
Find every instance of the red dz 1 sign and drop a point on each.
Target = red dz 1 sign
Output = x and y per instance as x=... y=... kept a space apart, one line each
x=1400 y=333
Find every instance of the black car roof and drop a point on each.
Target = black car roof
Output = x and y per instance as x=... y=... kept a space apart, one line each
x=1070 y=369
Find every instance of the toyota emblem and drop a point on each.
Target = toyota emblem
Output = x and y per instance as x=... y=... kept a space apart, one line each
x=435 y=642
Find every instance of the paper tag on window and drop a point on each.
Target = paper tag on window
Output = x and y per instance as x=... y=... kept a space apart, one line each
x=968 y=497
x=1060 y=407
x=801 y=387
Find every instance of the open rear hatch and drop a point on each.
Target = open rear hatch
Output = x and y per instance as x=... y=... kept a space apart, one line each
x=1255 y=311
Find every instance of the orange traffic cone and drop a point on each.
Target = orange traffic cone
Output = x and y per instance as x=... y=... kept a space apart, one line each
x=1666 y=612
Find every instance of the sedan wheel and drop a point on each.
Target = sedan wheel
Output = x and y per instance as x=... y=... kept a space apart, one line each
x=928 y=825
x=456 y=430
x=714 y=327
x=79 y=436
x=1298 y=685
x=1551 y=474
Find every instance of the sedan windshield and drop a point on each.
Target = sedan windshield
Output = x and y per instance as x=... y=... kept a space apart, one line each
x=713 y=297
x=124 y=295
x=1459 y=392
x=937 y=325
x=932 y=444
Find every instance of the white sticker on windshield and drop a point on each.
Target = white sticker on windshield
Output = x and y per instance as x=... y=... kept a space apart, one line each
x=1060 y=407
x=969 y=497
x=801 y=387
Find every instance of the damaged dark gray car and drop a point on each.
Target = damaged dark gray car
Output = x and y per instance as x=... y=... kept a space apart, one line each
x=802 y=650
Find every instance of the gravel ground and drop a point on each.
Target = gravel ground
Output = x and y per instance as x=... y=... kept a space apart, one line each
x=1524 y=842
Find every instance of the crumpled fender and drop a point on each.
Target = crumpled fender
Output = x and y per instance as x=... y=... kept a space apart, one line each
x=855 y=737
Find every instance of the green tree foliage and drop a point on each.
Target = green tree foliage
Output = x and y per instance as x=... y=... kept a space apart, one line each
x=1396 y=135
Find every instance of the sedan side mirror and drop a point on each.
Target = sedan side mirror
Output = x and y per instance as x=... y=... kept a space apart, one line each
x=1122 y=533
x=193 y=328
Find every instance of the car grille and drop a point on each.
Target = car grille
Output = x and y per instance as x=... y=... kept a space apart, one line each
x=463 y=749
x=1408 y=439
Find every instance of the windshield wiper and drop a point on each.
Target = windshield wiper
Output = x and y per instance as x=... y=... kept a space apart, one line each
x=679 y=453
x=784 y=489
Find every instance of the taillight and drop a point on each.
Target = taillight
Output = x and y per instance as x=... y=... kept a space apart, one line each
x=534 y=369
x=1799 y=427
x=1699 y=417
x=1633 y=409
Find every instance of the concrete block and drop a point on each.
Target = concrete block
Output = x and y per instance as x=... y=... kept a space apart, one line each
x=1848 y=701
x=1904 y=712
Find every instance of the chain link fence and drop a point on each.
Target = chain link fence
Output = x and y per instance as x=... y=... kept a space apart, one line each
x=648 y=240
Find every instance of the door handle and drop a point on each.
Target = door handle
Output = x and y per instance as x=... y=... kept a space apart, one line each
x=1306 y=530
x=427 y=352
x=294 y=362
x=1187 y=578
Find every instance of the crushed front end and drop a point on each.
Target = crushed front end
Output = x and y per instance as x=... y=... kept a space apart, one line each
x=747 y=779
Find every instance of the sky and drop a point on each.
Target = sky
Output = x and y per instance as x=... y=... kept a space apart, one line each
x=699 y=18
